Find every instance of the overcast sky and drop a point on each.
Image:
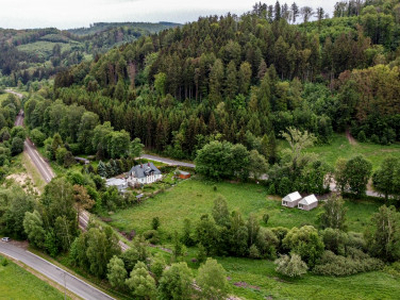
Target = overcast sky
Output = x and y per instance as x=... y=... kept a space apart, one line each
x=65 y=14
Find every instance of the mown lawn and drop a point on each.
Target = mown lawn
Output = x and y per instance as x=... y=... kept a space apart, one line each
x=194 y=197
x=340 y=147
x=16 y=283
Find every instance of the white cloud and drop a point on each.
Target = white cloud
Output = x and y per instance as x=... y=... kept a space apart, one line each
x=78 y=13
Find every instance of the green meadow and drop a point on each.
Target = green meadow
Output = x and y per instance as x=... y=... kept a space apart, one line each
x=16 y=283
x=194 y=197
x=341 y=148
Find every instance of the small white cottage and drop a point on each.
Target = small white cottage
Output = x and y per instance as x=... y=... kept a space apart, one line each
x=308 y=203
x=144 y=174
x=291 y=200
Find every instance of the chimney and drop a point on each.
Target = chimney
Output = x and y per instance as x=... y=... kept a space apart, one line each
x=141 y=166
x=148 y=164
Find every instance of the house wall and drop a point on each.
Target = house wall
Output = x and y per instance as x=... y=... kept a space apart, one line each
x=309 y=207
x=291 y=204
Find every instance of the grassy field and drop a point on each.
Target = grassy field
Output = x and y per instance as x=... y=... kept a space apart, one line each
x=340 y=147
x=260 y=281
x=194 y=197
x=16 y=283
x=43 y=48
x=257 y=279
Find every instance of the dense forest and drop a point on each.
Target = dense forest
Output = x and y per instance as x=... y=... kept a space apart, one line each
x=37 y=54
x=246 y=79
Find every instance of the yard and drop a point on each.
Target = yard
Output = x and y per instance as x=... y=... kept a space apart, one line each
x=16 y=283
x=194 y=197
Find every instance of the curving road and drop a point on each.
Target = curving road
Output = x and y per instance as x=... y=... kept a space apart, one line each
x=75 y=285
x=63 y=278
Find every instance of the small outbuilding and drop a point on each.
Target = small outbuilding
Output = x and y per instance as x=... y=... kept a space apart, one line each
x=120 y=184
x=291 y=200
x=308 y=203
x=184 y=174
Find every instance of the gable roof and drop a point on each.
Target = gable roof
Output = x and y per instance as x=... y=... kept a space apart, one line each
x=292 y=197
x=143 y=170
x=309 y=200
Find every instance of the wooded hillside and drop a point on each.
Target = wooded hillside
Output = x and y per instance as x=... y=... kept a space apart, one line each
x=245 y=79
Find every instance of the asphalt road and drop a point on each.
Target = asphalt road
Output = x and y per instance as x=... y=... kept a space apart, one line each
x=63 y=278
x=168 y=161
x=41 y=165
x=58 y=275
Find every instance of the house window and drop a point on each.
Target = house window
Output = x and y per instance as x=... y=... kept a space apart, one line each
x=284 y=202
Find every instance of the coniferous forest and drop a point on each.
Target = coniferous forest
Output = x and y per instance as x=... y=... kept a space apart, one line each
x=245 y=79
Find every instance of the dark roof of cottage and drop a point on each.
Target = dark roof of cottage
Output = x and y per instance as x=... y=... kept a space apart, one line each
x=143 y=170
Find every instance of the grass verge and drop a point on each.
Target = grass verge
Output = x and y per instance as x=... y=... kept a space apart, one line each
x=33 y=172
x=17 y=283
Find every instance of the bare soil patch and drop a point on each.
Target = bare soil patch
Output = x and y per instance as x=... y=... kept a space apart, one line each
x=25 y=181
x=350 y=138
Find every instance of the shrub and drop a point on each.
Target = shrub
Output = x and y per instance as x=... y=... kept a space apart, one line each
x=306 y=242
x=267 y=243
x=201 y=253
x=155 y=223
x=254 y=252
x=355 y=240
x=291 y=266
x=336 y=265
x=374 y=139
x=334 y=240
x=152 y=236
x=361 y=136
x=384 y=141
x=266 y=218
x=4 y=262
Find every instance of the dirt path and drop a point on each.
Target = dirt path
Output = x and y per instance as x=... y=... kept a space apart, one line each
x=350 y=138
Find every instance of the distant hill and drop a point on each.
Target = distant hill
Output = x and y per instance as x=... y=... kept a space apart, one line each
x=36 y=54
x=144 y=26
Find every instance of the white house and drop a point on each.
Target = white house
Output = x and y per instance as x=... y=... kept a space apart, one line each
x=291 y=200
x=144 y=174
x=308 y=203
